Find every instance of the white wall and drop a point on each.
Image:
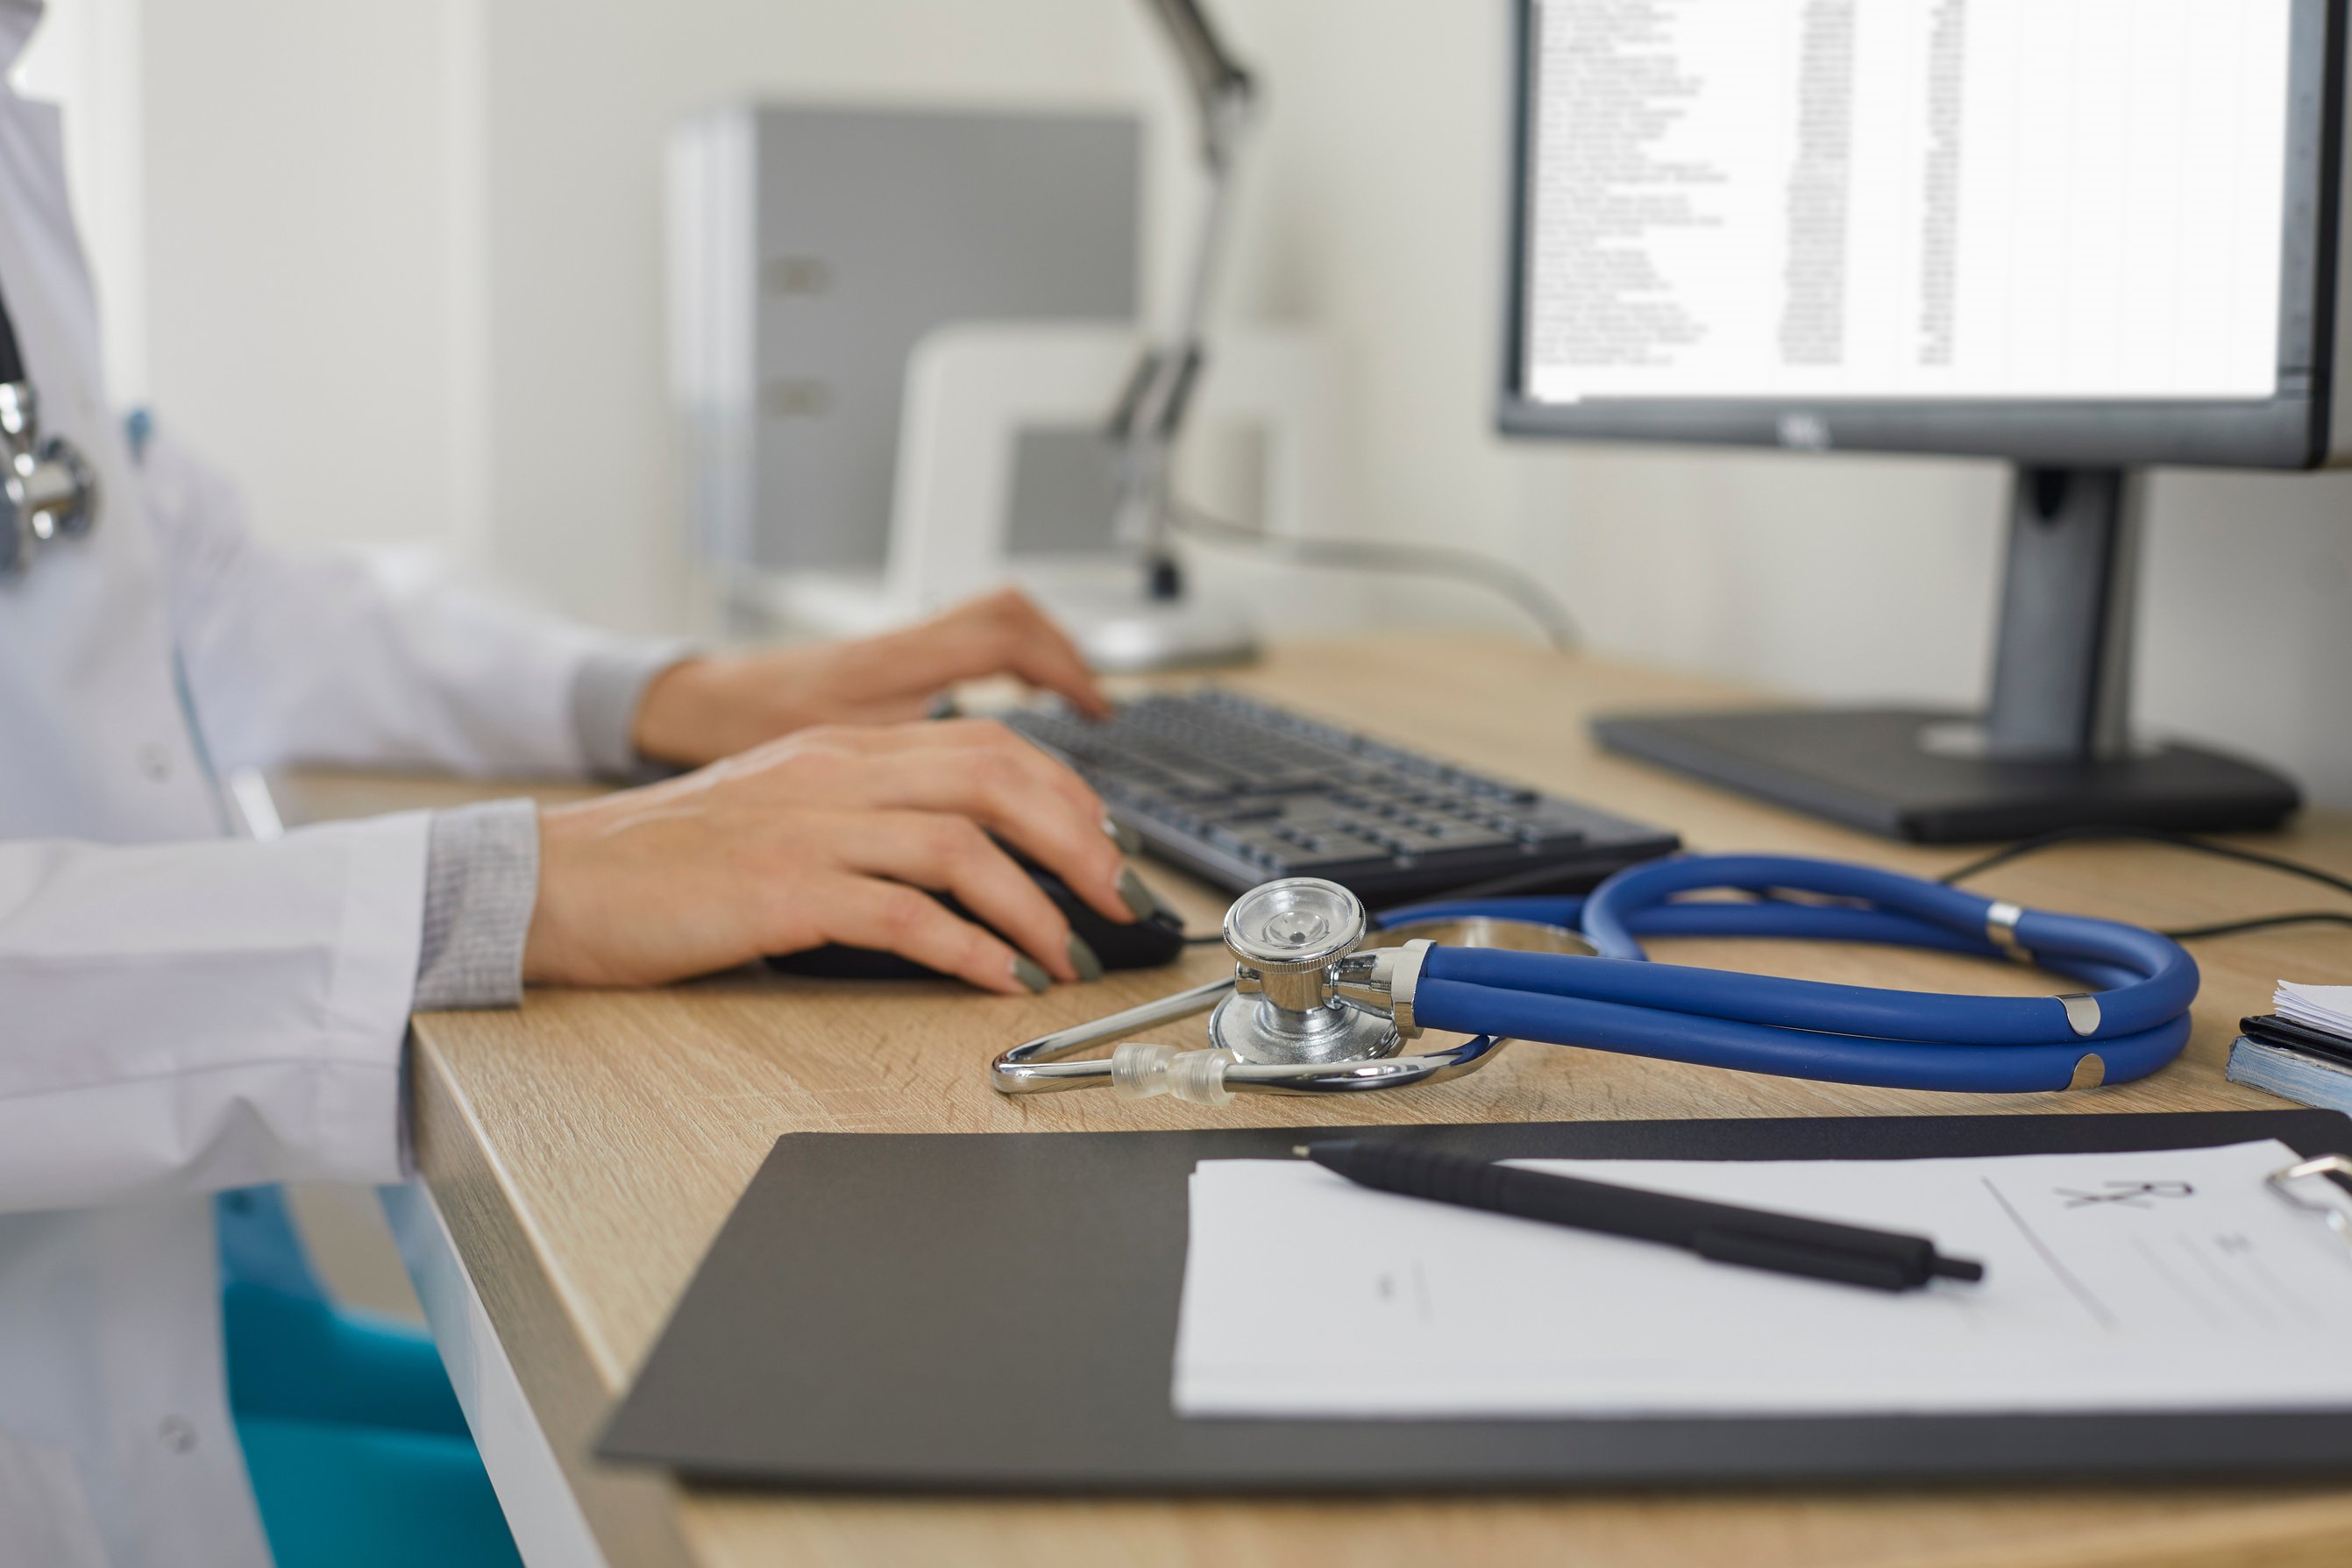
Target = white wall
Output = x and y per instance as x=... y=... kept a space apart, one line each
x=402 y=270
x=86 y=54
x=297 y=235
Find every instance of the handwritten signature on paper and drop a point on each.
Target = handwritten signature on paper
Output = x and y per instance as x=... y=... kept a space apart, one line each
x=2128 y=1194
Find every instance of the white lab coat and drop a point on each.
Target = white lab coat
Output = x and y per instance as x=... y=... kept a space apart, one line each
x=180 y=1013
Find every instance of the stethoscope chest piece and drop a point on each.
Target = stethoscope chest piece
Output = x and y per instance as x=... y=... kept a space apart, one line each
x=1310 y=1009
x=1294 y=956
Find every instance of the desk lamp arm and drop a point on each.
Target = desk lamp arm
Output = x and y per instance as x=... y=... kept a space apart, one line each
x=1222 y=89
x=1151 y=407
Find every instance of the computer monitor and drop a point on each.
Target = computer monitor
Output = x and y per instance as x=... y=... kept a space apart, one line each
x=2086 y=237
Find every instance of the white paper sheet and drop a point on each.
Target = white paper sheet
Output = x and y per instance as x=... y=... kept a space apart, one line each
x=2328 y=1008
x=2165 y=1281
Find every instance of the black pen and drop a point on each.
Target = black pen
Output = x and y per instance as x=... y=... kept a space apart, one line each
x=1760 y=1239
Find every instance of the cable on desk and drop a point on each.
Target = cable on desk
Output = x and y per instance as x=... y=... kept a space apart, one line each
x=1526 y=880
x=2265 y=923
x=1371 y=555
x=2042 y=842
x=1544 y=878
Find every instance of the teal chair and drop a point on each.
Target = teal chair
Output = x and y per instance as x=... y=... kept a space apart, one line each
x=359 y=1454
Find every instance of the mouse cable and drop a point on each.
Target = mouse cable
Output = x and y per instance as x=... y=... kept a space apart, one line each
x=2042 y=842
x=1381 y=555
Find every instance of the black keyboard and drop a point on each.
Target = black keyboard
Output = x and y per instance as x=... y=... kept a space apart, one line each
x=1239 y=793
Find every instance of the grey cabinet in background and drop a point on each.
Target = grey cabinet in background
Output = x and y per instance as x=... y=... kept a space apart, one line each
x=812 y=247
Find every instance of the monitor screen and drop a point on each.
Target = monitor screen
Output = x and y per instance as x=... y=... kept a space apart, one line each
x=1794 y=202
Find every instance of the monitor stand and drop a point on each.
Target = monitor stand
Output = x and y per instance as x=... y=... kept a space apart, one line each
x=2052 y=749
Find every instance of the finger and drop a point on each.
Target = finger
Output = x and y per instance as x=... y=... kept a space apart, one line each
x=1042 y=654
x=1002 y=634
x=892 y=917
x=950 y=854
x=1023 y=797
x=982 y=771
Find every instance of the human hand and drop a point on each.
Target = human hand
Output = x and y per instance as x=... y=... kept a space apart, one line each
x=828 y=836
x=704 y=709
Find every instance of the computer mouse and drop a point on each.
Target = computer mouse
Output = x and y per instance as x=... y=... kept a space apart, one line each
x=1147 y=944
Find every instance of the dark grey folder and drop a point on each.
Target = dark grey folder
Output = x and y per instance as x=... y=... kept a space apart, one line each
x=996 y=1313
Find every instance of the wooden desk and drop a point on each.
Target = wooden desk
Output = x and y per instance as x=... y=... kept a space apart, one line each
x=585 y=1150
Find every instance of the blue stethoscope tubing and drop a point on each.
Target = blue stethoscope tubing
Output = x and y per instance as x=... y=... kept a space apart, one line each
x=1621 y=1001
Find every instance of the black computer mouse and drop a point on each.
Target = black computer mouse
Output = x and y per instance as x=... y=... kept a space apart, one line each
x=1147 y=944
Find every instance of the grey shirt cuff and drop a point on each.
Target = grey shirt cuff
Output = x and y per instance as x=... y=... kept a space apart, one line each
x=481 y=884
x=604 y=698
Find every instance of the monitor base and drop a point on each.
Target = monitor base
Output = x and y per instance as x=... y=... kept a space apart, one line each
x=1894 y=771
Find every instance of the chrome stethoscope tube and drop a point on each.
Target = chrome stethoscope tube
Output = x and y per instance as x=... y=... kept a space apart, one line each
x=1039 y=1067
x=1311 y=1009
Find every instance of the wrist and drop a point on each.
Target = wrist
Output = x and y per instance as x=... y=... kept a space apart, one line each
x=681 y=709
x=549 y=945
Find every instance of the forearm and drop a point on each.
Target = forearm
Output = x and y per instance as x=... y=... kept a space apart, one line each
x=331 y=660
x=340 y=658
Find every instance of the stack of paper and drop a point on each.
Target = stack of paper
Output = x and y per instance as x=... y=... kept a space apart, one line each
x=2303 y=1048
x=2328 y=1008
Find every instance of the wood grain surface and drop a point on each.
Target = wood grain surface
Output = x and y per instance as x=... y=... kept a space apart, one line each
x=586 y=1147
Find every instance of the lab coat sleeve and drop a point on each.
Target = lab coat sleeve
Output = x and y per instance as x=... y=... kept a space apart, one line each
x=339 y=657
x=194 y=1015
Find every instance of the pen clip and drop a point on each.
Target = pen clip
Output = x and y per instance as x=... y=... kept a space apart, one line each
x=2281 y=1181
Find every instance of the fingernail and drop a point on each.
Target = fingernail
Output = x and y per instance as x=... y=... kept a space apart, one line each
x=1084 y=959
x=1025 y=971
x=1128 y=840
x=1138 y=899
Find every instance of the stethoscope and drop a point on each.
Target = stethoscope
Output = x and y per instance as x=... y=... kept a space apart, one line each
x=1323 y=998
x=48 y=492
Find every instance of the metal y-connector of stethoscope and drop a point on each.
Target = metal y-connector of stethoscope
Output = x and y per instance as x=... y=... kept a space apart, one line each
x=1323 y=999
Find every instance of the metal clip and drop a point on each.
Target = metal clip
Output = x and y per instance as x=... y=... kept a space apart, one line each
x=2081 y=1012
x=2281 y=1182
x=2000 y=930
